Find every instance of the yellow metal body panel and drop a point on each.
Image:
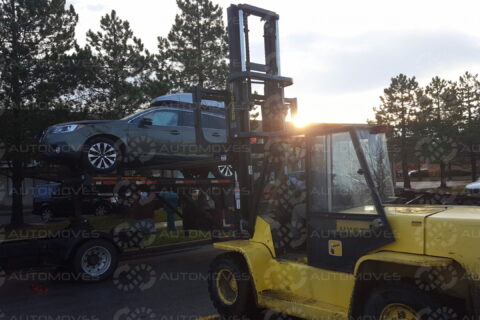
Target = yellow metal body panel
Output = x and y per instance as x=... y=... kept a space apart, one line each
x=327 y=292
x=404 y=258
x=301 y=307
x=257 y=256
x=263 y=234
x=455 y=233
x=424 y=210
x=408 y=225
x=423 y=238
x=407 y=222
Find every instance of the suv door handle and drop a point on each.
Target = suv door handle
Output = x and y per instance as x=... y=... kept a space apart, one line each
x=215 y=134
x=174 y=132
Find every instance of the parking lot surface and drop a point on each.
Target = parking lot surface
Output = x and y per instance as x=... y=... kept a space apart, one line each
x=171 y=286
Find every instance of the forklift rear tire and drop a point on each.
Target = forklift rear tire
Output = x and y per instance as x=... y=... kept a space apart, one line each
x=94 y=261
x=230 y=286
x=402 y=301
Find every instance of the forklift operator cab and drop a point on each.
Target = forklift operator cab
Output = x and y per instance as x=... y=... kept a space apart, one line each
x=339 y=201
x=345 y=215
x=345 y=219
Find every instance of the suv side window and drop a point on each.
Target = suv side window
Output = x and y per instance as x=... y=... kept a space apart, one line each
x=187 y=119
x=213 y=122
x=208 y=121
x=164 y=118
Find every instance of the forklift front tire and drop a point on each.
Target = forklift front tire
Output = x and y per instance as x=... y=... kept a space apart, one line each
x=230 y=286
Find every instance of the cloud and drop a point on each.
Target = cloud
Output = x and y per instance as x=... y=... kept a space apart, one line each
x=95 y=7
x=369 y=60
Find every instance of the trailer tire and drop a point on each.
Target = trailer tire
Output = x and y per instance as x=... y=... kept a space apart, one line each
x=389 y=301
x=94 y=260
x=230 y=286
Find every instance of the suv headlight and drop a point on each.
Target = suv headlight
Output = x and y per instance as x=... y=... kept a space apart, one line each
x=67 y=128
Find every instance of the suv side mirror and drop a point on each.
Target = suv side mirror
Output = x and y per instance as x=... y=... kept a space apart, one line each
x=145 y=122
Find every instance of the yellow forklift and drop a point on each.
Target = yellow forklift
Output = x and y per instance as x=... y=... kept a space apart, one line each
x=323 y=238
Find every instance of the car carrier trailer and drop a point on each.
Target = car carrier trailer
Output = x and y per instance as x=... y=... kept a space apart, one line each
x=92 y=255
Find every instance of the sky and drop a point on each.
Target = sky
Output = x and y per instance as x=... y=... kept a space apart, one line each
x=341 y=54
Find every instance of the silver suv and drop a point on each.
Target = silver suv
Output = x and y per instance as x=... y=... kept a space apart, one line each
x=164 y=133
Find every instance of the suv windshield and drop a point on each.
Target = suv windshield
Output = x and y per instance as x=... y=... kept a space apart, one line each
x=133 y=115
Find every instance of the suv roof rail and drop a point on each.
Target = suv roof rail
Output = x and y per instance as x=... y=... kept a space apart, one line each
x=185 y=98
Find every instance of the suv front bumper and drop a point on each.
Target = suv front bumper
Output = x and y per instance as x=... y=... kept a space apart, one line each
x=61 y=146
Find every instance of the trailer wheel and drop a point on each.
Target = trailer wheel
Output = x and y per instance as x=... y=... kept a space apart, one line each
x=406 y=302
x=95 y=260
x=230 y=287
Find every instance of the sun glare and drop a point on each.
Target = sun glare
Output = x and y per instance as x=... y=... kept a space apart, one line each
x=301 y=122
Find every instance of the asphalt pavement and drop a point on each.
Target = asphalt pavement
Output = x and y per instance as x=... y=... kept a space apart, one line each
x=170 y=286
x=28 y=218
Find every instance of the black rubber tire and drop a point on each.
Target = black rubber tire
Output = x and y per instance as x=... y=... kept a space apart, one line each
x=89 y=166
x=428 y=306
x=244 y=306
x=76 y=267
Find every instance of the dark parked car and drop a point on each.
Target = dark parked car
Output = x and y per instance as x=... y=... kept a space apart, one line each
x=164 y=133
x=53 y=200
x=422 y=173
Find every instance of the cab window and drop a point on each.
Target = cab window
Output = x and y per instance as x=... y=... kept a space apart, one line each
x=338 y=184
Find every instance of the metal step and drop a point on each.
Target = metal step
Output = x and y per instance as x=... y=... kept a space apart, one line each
x=299 y=306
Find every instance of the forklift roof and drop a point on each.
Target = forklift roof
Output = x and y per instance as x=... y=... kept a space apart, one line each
x=328 y=128
x=185 y=98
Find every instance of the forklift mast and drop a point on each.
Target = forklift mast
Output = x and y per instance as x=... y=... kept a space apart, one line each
x=243 y=73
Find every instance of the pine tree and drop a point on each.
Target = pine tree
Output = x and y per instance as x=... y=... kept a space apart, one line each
x=121 y=67
x=34 y=36
x=398 y=108
x=469 y=96
x=440 y=120
x=195 y=51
